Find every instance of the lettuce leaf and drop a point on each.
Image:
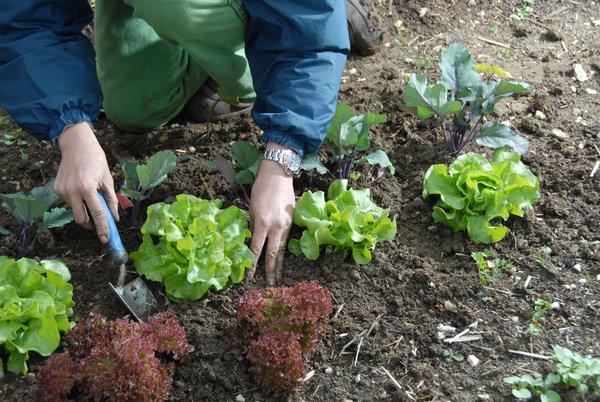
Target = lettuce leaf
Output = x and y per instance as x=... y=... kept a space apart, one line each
x=348 y=222
x=192 y=246
x=36 y=302
x=476 y=195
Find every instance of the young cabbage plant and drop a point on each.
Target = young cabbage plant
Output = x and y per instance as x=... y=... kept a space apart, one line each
x=141 y=180
x=462 y=102
x=243 y=170
x=33 y=214
x=348 y=140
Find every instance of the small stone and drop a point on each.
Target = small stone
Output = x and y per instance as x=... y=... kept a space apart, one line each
x=446 y=328
x=598 y=277
x=352 y=71
x=483 y=397
x=473 y=361
x=514 y=319
x=357 y=378
x=192 y=149
x=30 y=378
x=577 y=111
x=555 y=306
x=558 y=133
x=328 y=370
x=540 y=115
x=448 y=305
x=354 y=274
x=240 y=398
x=577 y=267
x=583 y=281
x=423 y=11
x=591 y=91
x=472 y=2
x=573 y=88
x=580 y=74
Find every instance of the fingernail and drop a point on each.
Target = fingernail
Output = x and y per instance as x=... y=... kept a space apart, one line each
x=103 y=238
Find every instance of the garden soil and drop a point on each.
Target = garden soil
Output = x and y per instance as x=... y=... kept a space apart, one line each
x=391 y=308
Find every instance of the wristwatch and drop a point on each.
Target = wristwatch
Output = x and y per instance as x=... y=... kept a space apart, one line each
x=289 y=160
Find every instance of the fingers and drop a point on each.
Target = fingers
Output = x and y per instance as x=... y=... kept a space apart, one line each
x=108 y=191
x=80 y=213
x=96 y=211
x=258 y=240
x=280 y=255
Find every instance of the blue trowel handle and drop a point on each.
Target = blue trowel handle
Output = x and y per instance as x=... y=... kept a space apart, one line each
x=116 y=251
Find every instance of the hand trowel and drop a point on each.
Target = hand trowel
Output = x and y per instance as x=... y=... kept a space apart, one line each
x=134 y=295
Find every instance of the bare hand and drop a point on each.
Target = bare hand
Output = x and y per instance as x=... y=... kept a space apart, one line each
x=271 y=205
x=83 y=170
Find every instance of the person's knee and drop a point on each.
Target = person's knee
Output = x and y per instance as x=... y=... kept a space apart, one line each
x=133 y=115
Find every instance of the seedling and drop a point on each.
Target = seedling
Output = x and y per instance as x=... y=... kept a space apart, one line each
x=541 y=308
x=573 y=371
x=348 y=141
x=35 y=306
x=455 y=356
x=462 y=102
x=243 y=170
x=118 y=360
x=348 y=222
x=33 y=214
x=490 y=270
x=15 y=137
x=141 y=180
x=542 y=259
x=526 y=9
x=474 y=194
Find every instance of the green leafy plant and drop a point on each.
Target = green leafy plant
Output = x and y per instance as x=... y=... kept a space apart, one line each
x=490 y=270
x=541 y=308
x=141 y=180
x=573 y=371
x=33 y=214
x=475 y=194
x=454 y=356
x=348 y=222
x=193 y=246
x=120 y=360
x=280 y=328
x=526 y=9
x=243 y=170
x=462 y=102
x=36 y=301
x=348 y=140
x=543 y=258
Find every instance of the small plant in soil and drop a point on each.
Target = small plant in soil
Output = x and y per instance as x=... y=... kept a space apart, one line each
x=141 y=180
x=462 y=102
x=348 y=222
x=280 y=329
x=243 y=170
x=118 y=360
x=348 y=142
x=193 y=246
x=474 y=194
x=541 y=308
x=490 y=270
x=36 y=301
x=33 y=214
x=572 y=371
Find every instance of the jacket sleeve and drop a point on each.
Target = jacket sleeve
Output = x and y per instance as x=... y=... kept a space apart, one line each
x=296 y=51
x=47 y=66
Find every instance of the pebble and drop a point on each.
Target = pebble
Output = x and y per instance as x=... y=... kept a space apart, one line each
x=354 y=274
x=573 y=88
x=352 y=71
x=591 y=91
x=192 y=149
x=598 y=277
x=558 y=133
x=514 y=319
x=473 y=360
x=577 y=267
x=580 y=74
x=30 y=378
x=328 y=370
x=583 y=281
x=483 y=397
x=577 y=111
x=240 y=398
x=540 y=115
x=357 y=378
x=555 y=306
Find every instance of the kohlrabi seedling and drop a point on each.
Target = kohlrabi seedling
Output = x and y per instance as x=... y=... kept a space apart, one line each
x=348 y=140
x=462 y=101
x=141 y=180
x=33 y=214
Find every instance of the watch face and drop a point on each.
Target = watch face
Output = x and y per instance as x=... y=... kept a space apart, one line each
x=292 y=162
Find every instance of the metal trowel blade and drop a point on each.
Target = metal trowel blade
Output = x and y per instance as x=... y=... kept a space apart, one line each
x=136 y=296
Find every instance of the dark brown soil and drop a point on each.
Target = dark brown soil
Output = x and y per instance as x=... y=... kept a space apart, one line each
x=425 y=277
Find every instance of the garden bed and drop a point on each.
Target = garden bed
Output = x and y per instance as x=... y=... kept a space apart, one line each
x=426 y=276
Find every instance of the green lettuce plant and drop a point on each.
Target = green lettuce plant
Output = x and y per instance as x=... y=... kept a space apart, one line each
x=475 y=194
x=193 y=246
x=36 y=301
x=462 y=102
x=348 y=222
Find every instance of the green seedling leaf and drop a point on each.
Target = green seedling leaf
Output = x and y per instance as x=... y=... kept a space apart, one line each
x=380 y=158
x=4 y=231
x=312 y=162
x=497 y=135
x=476 y=195
x=522 y=393
x=56 y=218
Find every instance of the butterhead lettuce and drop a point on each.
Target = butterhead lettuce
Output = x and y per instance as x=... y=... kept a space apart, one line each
x=476 y=195
x=192 y=246
x=36 y=302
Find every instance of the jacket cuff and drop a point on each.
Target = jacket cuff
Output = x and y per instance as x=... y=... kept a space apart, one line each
x=284 y=139
x=69 y=117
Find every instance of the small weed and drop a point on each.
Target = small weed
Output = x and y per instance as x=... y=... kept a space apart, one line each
x=541 y=308
x=526 y=9
x=490 y=270
x=400 y=28
x=542 y=259
x=15 y=137
x=493 y=30
x=451 y=355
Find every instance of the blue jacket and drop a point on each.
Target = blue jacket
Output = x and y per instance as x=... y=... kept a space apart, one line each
x=296 y=51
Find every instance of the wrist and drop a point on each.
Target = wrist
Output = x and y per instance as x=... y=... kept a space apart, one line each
x=74 y=135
